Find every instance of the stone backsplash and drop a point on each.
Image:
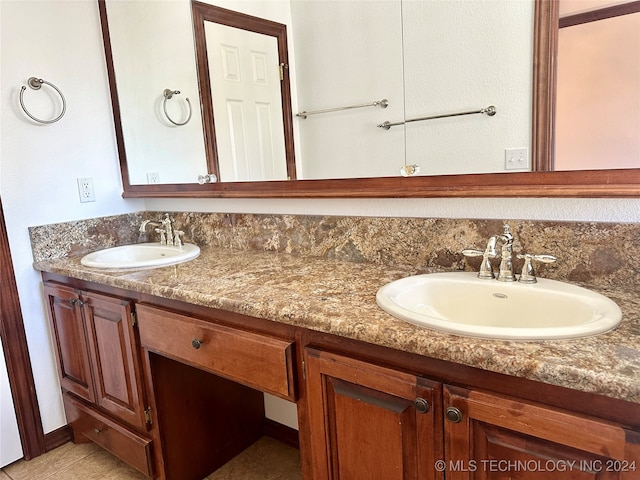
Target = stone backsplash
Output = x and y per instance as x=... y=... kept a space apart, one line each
x=594 y=253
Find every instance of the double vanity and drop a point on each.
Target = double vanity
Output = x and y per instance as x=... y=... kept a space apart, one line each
x=166 y=367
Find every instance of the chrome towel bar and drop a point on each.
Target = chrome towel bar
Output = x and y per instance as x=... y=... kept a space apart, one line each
x=384 y=103
x=490 y=111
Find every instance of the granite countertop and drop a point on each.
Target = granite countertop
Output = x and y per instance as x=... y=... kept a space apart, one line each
x=338 y=297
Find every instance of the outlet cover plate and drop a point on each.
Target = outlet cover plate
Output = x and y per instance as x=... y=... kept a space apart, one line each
x=85 y=190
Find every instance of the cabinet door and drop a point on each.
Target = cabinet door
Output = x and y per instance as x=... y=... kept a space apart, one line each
x=115 y=358
x=365 y=421
x=490 y=437
x=67 y=324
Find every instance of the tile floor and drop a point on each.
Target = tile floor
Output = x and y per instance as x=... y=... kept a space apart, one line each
x=267 y=459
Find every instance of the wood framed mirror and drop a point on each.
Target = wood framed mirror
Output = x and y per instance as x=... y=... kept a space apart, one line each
x=541 y=182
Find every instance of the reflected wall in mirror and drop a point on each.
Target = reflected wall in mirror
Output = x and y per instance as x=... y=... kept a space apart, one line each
x=586 y=183
x=152 y=50
x=598 y=94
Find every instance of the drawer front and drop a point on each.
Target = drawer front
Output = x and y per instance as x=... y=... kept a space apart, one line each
x=128 y=446
x=253 y=359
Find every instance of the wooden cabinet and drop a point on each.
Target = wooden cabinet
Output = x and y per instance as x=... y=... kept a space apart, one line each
x=366 y=413
x=100 y=368
x=207 y=381
x=371 y=422
x=493 y=437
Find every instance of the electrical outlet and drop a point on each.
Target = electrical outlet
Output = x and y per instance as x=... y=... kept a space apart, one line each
x=153 y=177
x=85 y=189
x=516 y=159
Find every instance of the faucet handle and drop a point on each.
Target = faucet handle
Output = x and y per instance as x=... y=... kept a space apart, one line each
x=163 y=236
x=177 y=241
x=486 y=271
x=528 y=273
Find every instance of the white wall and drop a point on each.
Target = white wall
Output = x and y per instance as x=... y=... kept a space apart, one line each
x=163 y=31
x=595 y=129
x=470 y=55
x=60 y=41
x=348 y=53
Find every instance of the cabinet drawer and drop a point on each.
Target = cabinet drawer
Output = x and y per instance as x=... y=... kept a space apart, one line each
x=130 y=447
x=253 y=359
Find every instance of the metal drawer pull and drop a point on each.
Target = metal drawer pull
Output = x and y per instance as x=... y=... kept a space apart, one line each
x=97 y=431
x=196 y=343
x=422 y=406
x=454 y=415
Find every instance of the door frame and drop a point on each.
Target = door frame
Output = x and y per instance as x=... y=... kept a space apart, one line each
x=204 y=12
x=16 y=352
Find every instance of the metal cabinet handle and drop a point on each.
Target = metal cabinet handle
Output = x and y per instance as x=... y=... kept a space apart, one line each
x=97 y=431
x=196 y=343
x=422 y=406
x=453 y=415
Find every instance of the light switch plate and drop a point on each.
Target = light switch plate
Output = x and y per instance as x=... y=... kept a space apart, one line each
x=516 y=159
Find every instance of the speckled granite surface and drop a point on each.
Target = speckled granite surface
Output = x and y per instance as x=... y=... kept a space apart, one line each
x=598 y=253
x=309 y=278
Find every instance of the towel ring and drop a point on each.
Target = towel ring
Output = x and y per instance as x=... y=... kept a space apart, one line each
x=36 y=84
x=168 y=94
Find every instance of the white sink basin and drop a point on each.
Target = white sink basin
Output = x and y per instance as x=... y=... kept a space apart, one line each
x=140 y=255
x=461 y=303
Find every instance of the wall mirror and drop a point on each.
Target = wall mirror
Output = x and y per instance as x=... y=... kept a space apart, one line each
x=391 y=69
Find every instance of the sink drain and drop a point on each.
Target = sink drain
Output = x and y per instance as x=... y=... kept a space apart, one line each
x=500 y=295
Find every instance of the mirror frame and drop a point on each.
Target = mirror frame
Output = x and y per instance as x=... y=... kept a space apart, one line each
x=541 y=182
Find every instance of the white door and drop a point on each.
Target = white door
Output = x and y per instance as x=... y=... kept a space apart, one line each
x=247 y=105
x=10 y=446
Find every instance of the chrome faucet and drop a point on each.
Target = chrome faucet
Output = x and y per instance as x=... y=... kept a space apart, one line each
x=505 y=272
x=505 y=241
x=165 y=228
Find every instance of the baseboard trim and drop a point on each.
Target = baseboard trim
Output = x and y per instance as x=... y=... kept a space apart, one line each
x=57 y=438
x=273 y=429
x=282 y=433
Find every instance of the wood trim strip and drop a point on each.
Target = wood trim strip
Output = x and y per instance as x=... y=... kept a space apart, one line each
x=583 y=183
x=16 y=352
x=282 y=433
x=115 y=103
x=599 y=14
x=58 y=437
x=545 y=37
